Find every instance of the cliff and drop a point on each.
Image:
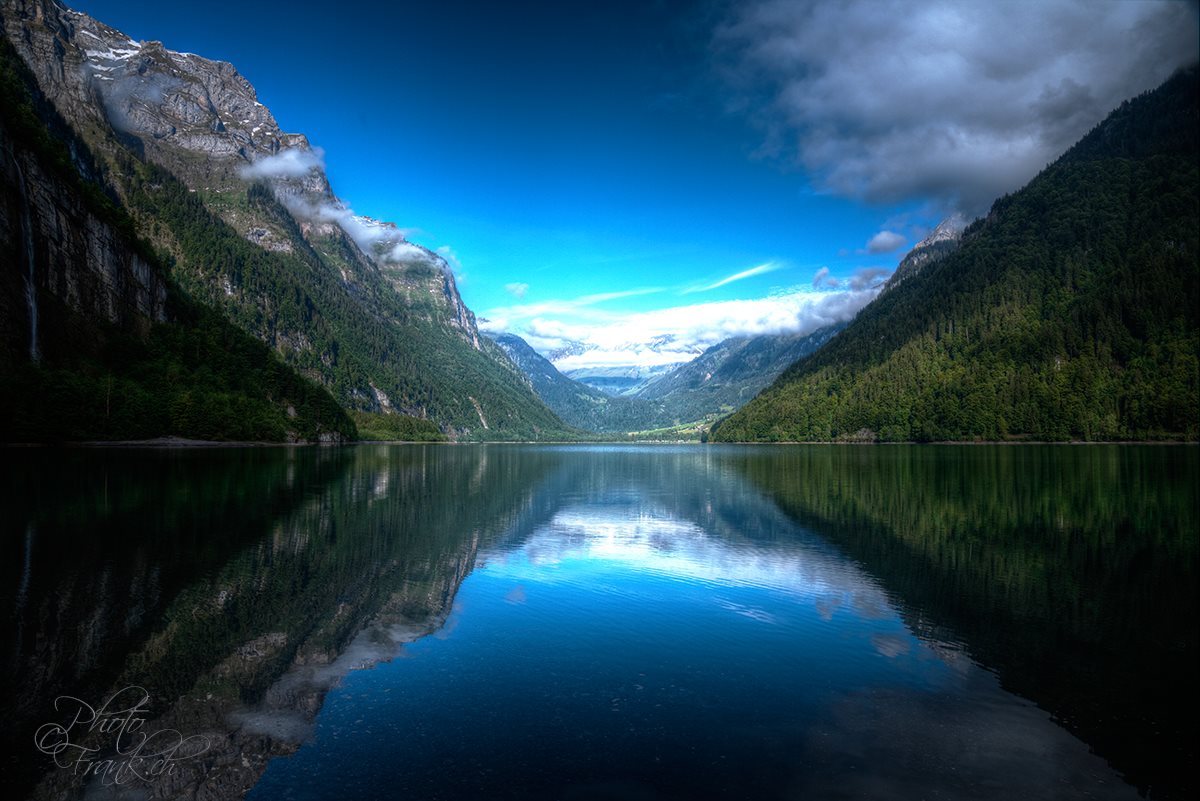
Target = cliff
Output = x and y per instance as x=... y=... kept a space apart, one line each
x=95 y=342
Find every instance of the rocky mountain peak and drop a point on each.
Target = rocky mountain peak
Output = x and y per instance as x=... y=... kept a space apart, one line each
x=943 y=239
x=165 y=98
x=949 y=229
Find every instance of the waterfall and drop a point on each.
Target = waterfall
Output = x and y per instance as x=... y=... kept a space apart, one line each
x=23 y=593
x=35 y=355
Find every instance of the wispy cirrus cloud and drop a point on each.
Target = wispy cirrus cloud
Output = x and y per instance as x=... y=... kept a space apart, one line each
x=582 y=307
x=761 y=269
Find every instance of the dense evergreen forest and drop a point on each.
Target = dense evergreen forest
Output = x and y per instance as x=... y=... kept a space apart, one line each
x=396 y=428
x=1069 y=312
x=195 y=376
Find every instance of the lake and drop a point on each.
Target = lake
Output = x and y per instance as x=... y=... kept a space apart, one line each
x=591 y=622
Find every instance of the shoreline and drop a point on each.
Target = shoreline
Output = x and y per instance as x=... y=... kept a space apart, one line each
x=185 y=443
x=170 y=442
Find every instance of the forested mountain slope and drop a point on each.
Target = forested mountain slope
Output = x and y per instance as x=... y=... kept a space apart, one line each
x=1069 y=312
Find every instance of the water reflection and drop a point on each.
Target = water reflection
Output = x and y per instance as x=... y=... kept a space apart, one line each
x=635 y=540
x=1070 y=571
x=614 y=622
x=235 y=586
x=667 y=632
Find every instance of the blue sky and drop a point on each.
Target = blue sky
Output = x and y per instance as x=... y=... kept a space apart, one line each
x=624 y=170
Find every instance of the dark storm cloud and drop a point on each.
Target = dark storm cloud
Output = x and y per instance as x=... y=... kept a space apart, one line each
x=958 y=102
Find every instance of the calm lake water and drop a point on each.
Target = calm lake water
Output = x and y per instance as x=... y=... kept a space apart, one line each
x=533 y=622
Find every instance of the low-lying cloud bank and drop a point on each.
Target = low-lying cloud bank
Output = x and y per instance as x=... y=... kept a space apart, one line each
x=677 y=334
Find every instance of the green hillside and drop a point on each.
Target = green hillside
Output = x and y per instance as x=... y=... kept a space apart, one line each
x=729 y=373
x=1069 y=312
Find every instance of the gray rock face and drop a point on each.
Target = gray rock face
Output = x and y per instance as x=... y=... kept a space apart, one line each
x=408 y=267
x=96 y=73
x=941 y=241
x=68 y=253
x=948 y=230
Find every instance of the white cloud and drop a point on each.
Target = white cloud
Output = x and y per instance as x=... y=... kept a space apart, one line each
x=868 y=278
x=380 y=240
x=556 y=333
x=759 y=270
x=630 y=356
x=308 y=211
x=406 y=252
x=677 y=333
x=885 y=242
x=580 y=308
x=517 y=289
x=293 y=162
x=365 y=231
x=890 y=100
x=450 y=257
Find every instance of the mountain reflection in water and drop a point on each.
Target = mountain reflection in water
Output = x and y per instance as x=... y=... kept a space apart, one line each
x=616 y=622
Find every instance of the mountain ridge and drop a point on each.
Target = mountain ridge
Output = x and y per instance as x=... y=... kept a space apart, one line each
x=579 y=404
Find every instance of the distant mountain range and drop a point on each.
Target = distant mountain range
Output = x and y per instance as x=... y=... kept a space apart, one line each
x=579 y=404
x=621 y=370
x=1071 y=311
x=716 y=382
